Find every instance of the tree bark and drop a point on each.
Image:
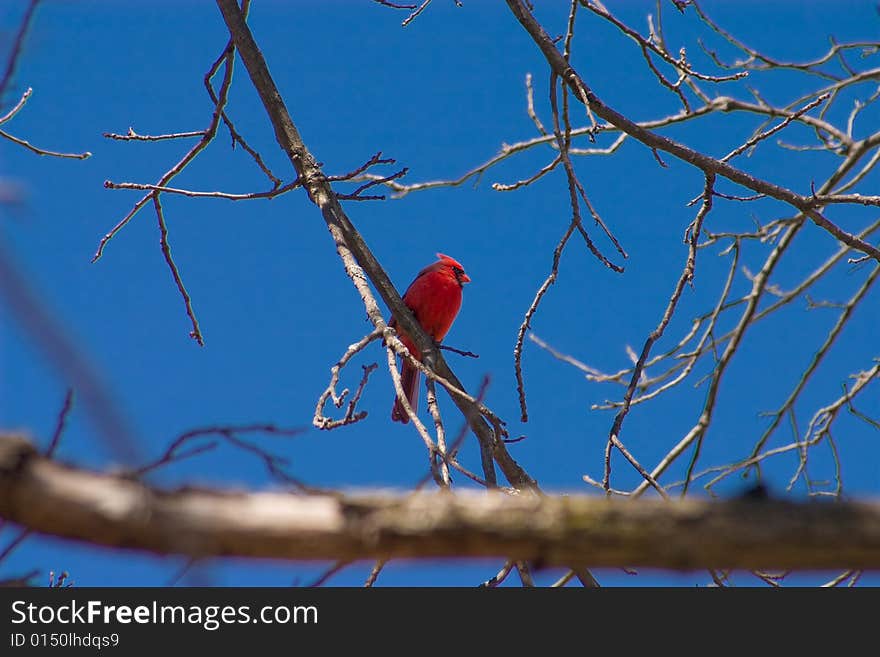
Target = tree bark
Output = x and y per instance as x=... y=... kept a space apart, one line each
x=563 y=530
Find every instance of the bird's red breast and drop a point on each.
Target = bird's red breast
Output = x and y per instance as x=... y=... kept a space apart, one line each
x=435 y=298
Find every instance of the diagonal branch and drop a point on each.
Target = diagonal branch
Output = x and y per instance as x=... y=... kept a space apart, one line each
x=358 y=260
x=17 y=44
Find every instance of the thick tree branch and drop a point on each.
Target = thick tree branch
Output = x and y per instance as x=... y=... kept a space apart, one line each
x=47 y=497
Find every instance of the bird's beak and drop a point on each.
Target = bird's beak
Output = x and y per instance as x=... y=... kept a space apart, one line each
x=465 y=278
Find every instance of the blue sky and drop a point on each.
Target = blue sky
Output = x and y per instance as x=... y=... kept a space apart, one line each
x=276 y=308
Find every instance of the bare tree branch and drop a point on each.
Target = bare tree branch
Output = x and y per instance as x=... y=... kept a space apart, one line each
x=54 y=499
x=563 y=69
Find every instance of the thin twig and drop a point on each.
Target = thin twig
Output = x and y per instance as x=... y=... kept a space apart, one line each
x=61 y=423
x=377 y=568
x=131 y=135
x=196 y=332
x=42 y=151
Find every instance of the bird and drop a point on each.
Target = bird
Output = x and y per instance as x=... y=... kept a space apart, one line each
x=434 y=297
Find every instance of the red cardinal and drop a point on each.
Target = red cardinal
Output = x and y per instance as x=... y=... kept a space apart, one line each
x=434 y=297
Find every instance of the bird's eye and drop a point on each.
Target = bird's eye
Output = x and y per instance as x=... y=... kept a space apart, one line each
x=458 y=271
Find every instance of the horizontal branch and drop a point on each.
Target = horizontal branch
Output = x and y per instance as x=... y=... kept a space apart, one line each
x=50 y=498
x=272 y=193
x=131 y=135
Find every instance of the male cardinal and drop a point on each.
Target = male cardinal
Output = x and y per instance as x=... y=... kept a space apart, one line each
x=434 y=298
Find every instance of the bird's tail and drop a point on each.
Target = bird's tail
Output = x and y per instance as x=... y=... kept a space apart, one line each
x=409 y=380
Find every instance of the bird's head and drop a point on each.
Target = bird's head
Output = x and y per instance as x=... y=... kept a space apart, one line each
x=455 y=268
